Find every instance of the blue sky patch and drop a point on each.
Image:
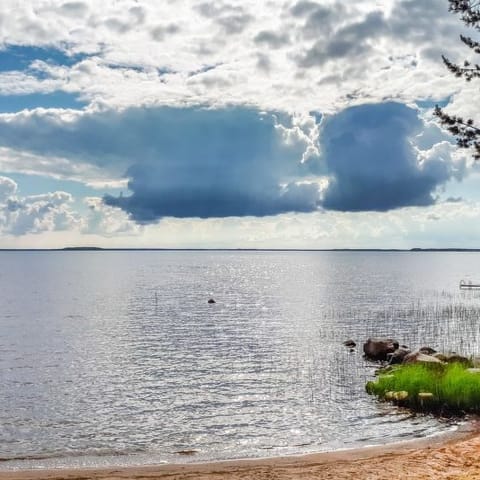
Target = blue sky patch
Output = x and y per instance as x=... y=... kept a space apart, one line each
x=59 y=99
x=426 y=104
x=19 y=57
x=39 y=184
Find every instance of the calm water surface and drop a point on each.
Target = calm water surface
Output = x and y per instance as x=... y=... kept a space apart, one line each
x=116 y=357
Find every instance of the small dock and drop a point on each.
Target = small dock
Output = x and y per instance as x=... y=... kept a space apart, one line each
x=468 y=284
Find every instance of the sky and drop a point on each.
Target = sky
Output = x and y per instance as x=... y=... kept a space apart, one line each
x=233 y=124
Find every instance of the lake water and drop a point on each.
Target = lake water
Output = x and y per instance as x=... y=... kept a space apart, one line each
x=116 y=357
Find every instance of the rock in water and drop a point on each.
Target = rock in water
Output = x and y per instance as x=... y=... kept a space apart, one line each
x=398 y=355
x=427 y=350
x=378 y=348
x=350 y=343
x=417 y=357
x=211 y=300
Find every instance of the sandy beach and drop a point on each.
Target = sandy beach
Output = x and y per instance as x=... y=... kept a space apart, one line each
x=454 y=457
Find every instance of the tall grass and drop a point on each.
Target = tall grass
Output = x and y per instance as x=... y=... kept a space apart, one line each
x=444 y=322
x=455 y=389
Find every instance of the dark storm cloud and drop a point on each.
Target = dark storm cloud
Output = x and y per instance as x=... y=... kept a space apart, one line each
x=180 y=162
x=216 y=163
x=198 y=162
x=373 y=164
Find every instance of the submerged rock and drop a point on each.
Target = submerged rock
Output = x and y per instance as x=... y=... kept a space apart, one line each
x=378 y=348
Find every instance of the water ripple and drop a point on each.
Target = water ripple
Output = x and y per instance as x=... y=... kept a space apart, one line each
x=118 y=354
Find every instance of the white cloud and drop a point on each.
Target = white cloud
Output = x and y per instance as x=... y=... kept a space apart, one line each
x=312 y=55
x=17 y=161
x=446 y=224
x=107 y=221
x=35 y=213
x=7 y=188
x=56 y=212
x=295 y=56
x=51 y=220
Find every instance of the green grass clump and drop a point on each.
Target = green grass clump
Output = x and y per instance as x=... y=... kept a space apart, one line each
x=455 y=389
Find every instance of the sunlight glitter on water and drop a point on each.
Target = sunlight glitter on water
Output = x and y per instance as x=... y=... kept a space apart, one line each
x=117 y=356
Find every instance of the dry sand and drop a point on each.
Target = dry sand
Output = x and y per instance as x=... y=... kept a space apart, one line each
x=448 y=458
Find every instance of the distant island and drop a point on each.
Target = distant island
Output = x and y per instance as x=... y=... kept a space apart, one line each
x=81 y=248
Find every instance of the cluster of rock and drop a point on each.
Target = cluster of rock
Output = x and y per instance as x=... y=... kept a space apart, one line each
x=389 y=350
x=401 y=397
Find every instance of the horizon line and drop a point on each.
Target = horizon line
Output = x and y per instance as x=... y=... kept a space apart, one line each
x=239 y=249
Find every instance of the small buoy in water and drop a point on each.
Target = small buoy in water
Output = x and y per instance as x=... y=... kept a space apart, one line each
x=211 y=300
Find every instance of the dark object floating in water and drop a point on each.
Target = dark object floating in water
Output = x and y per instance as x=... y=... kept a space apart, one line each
x=469 y=284
x=211 y=300
x=350 y=343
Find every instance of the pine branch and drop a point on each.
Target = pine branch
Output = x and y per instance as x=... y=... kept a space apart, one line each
x=467 y=71
x=467 y=134
x=474 y=45
x=469 y=10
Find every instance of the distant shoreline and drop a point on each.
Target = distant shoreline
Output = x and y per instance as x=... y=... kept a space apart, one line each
x=153 y=249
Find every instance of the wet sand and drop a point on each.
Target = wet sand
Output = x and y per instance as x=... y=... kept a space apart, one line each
x=453 y=457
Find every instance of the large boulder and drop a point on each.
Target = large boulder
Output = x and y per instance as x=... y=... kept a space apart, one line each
x=418 y=357
x=398 y=355
x=379 y=348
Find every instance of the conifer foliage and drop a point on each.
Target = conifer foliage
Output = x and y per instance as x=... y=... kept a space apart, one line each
x=467 y=134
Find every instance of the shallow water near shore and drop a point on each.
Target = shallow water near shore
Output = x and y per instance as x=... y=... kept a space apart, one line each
x=115 y=358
